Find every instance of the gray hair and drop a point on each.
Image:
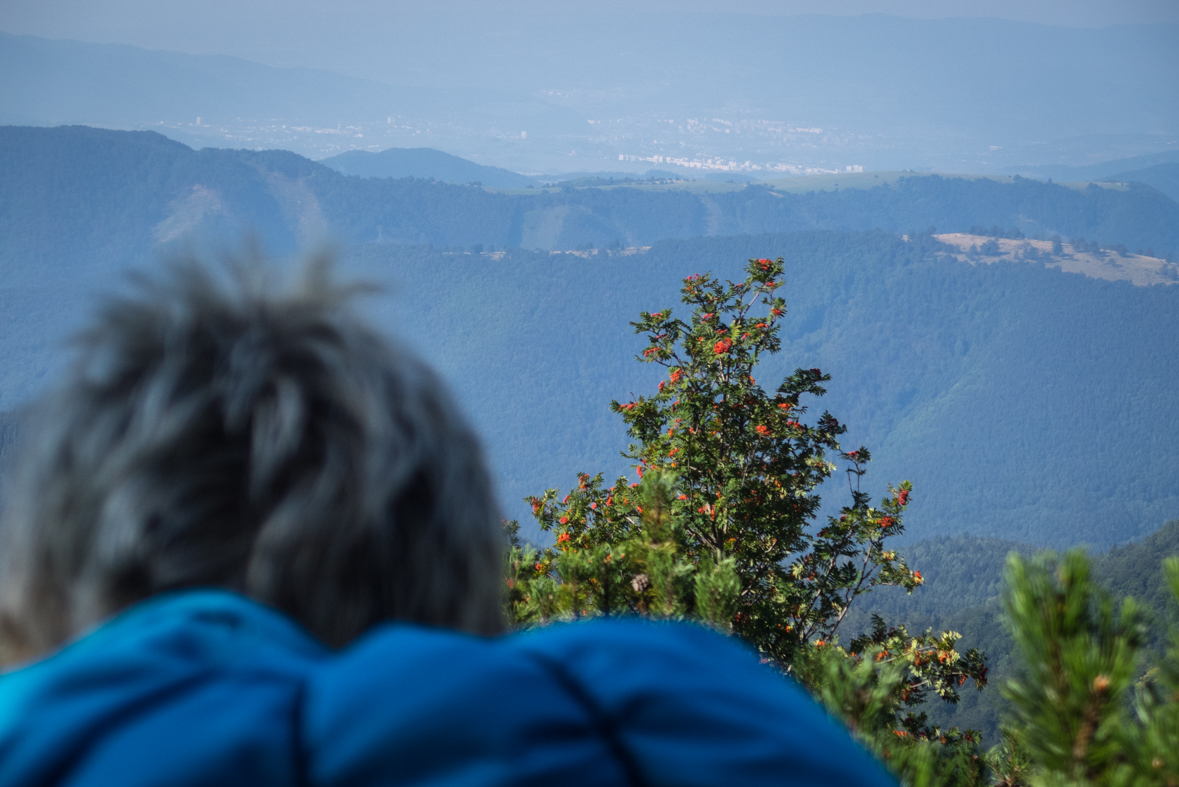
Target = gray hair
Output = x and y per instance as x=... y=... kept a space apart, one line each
x=212 y=433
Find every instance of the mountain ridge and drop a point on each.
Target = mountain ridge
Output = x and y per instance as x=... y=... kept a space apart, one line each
x=968 y=379
x=1104 y=170
x=1164 y=177
x=252 y=187
x=425 y=163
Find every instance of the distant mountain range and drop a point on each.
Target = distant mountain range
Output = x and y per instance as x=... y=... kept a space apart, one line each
x=172 y=194
x=425 y=163
x=1164 y=177
x=1160 y=170
x=1115 y=169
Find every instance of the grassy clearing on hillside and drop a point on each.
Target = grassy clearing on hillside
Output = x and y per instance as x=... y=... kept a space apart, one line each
x=1138 y=269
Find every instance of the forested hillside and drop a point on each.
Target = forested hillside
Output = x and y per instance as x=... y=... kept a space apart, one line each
x=1007 y=393
x=76 y=199
x=963 y=589
x=964 y=585
x=113 y=197
x=1105 y=170
x=1164 y=177
x=425 y=163
x=1010 y=394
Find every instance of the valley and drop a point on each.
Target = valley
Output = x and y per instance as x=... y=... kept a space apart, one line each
x=965 y=373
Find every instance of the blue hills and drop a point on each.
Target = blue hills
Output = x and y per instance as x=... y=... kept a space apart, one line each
x=1115 y=169
x=124 y=195
x=425 y=163
x=1024 y=403
x=1163 y=177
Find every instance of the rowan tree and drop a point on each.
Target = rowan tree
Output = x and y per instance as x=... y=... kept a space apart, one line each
x=720 y=523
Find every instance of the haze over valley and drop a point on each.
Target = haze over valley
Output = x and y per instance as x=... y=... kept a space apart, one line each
x=697 y=93
x=970 y=324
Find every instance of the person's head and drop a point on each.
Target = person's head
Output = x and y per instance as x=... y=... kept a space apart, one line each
x=215 y=434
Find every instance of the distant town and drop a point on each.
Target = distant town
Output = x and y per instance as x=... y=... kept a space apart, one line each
x=710 y=145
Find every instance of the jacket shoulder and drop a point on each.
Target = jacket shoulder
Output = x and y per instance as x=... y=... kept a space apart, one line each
x=410 y=704
x=604 y=702
x=198 y=688
x=689 y=706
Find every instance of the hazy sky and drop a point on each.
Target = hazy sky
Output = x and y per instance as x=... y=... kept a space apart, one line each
x=498 y=81
x=218 y=25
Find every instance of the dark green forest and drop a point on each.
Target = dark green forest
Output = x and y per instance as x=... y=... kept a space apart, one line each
x=1022 y=402
x=962 y=592
x=1007 y=393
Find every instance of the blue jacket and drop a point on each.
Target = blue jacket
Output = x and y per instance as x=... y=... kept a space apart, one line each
x=210 y=688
